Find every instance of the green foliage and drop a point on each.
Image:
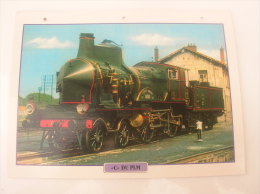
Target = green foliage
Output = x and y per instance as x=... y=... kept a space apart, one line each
x=22 y=101
x=38 y=99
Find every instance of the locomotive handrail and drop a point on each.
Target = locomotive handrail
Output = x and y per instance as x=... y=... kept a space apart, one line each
x=160 y=110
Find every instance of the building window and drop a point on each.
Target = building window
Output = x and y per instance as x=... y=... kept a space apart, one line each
x=172 y=74
x=203 y=76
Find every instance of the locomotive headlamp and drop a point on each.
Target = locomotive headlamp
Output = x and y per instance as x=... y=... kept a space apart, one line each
x=29 y=109
x=82 y=108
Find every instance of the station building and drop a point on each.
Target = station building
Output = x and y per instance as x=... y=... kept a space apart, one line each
x=202 y=68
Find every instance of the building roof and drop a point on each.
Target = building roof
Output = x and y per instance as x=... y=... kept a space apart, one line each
x=149 y=63
x=179 y=51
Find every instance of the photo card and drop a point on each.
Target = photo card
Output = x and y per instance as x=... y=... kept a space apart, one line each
x=125 y=96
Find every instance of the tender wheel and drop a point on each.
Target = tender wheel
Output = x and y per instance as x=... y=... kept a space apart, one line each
x=172 y=131
x=94 y=137
x=145 y=133
x=122 y=135
x=210 y=126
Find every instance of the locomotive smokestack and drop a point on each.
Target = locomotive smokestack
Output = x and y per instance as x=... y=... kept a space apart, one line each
x=222 y=55
x=192 y=47
x=86 y=45
x=156 y=54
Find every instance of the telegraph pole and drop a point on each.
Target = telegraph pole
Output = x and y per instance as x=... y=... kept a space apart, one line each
x=51 y=86
x=47 y=83
x=39 y=95
x=44 y=84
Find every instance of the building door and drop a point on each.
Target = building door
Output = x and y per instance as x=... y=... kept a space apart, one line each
x=173 y=84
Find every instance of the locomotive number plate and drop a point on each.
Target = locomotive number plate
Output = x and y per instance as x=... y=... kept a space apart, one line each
x=126 y=167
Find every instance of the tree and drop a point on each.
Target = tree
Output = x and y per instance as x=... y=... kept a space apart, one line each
x=22 y=101
x=38 y=99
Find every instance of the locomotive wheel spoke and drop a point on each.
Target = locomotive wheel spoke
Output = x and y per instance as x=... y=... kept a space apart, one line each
x=172 y=131
x=146 y=134
x=122 y=135
x=94 y=138
x=94 y=146
x=55 y=141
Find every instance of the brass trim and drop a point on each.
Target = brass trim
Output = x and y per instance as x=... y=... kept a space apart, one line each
x=165 y=96
x=96 y=65
x=138 y=96
x=138 y=80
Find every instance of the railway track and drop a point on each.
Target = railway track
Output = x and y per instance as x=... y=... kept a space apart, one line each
x=40 y=156
x=30 y=155
x=35 y=158
x=48 y=156
x=220 y=155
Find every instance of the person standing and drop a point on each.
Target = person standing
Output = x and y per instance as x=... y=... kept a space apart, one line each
x=199 y=129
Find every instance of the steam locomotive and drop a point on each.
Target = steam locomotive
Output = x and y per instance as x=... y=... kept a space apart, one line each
x=100 y=95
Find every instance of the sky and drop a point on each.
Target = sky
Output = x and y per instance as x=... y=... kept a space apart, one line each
x=47 y=47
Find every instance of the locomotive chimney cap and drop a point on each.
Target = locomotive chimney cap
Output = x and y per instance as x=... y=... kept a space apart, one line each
x=87 y=35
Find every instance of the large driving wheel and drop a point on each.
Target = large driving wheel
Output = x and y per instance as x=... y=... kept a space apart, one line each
x=145 y=133
x=94 y=137
x=25 y=124
x=122 y=135
x=172 y=131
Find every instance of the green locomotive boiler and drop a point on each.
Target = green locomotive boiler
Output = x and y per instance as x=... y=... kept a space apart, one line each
x=100 y=95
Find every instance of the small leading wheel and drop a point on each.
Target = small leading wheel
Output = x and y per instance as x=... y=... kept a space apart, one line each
x=55 y=140
x=25 y=124
x=122 y=135
x=172 y=131
x=145 y=133
x=94 y=137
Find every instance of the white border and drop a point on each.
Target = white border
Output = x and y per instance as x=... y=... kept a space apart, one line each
x=130 y=16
